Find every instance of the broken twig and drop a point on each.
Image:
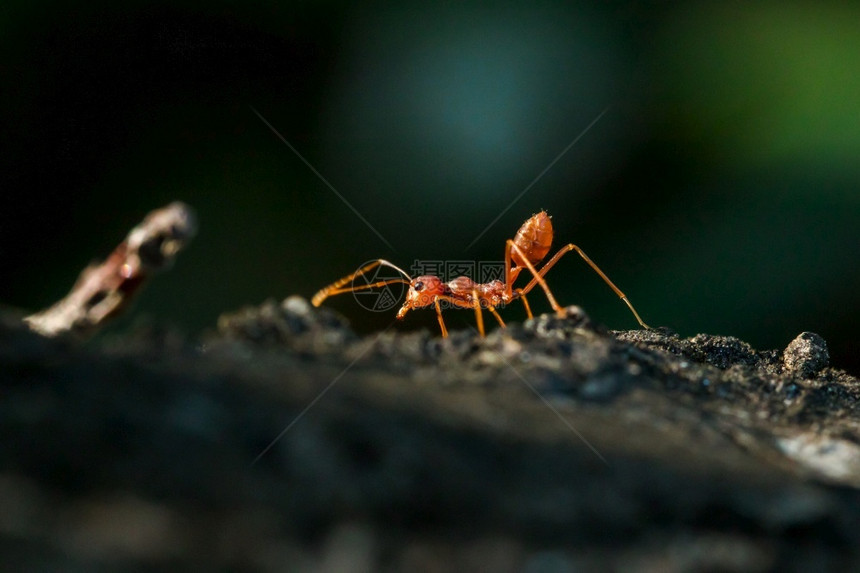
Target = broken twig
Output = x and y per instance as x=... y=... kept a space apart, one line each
x=106 y=290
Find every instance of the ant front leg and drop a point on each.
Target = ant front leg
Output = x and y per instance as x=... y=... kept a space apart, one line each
x=463 y=302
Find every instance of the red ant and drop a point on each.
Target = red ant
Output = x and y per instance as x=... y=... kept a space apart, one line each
x=527 y=249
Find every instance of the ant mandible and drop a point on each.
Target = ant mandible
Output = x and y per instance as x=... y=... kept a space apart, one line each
x=524 y=251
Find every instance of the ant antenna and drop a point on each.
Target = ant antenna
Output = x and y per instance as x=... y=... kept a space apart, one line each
x=383 y=262
x=337 y=287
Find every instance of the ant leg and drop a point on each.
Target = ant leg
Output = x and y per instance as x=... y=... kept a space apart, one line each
x=571 y=247
x=510 y=277
x=336 y=287
x=479 y=317
x=441 y=322
x=509 y=281
x=461 y=303
x=499 y=318
x=538 y=277
x=525 y=303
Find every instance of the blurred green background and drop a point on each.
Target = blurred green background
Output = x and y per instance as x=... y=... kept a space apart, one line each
x=719 y=190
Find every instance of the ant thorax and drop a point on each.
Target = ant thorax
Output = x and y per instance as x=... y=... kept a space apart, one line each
x=464 y=288
x=462 y=285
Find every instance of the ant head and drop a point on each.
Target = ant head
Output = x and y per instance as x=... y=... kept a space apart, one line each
x=422 y=292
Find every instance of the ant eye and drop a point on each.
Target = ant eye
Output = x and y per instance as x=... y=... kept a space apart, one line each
x=419 y=285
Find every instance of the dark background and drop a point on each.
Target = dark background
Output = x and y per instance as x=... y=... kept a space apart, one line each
x=719 y=190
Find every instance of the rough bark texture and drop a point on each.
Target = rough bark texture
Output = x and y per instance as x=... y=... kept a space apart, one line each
x=283 y=441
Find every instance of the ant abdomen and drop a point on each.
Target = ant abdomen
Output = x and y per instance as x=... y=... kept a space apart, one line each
x=533 y=239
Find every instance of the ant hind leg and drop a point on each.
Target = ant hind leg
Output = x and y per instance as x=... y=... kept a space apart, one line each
x=566 y=249
x=538 y=278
